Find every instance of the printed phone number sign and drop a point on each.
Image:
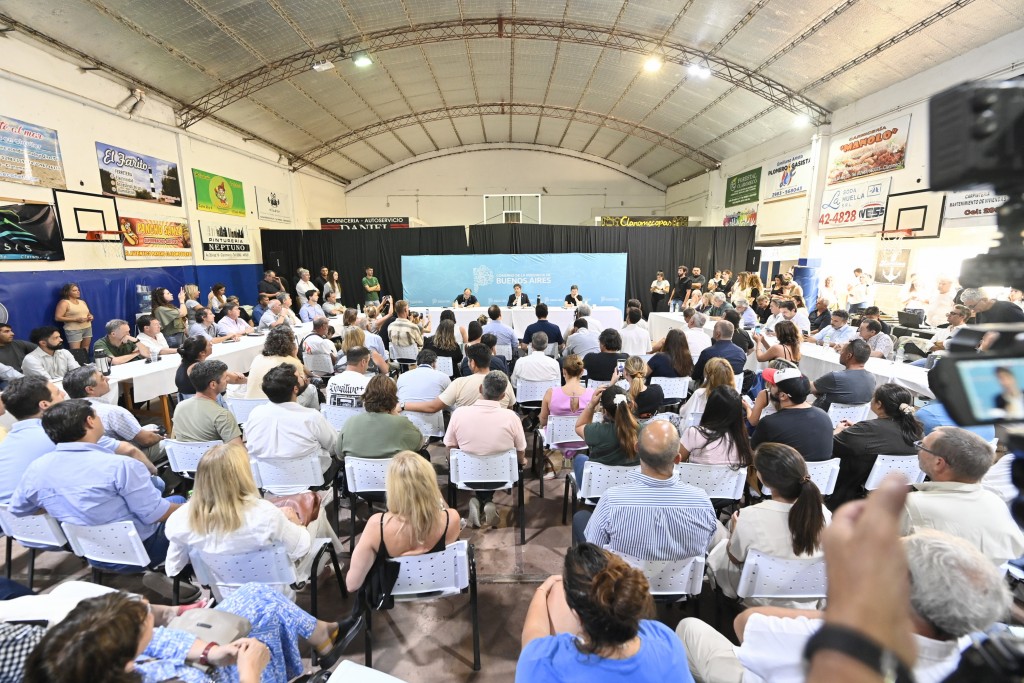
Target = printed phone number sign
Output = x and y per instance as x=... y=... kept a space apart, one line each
x=855 y=204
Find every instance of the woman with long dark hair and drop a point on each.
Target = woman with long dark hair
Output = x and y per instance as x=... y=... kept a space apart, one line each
x=595 y=622
x=786 y=346
x=444 y=343
x=171 y=317
x=893 y=432
x=613 y=441
x=788 y=526
x=74 y=313
x=674 y=359
x=721 y=438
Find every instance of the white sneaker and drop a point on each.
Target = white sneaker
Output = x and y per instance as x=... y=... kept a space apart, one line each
x=474 y=513
x=490 y=514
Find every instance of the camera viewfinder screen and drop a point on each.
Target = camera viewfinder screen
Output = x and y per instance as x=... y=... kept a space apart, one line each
x=994 y=387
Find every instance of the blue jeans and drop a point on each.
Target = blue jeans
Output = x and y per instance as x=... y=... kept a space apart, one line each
x=577 y=467
x=923 y=363
x=675 y=305
x=156 y=545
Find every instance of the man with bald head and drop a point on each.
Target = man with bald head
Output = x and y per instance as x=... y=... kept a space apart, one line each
x=654 y=516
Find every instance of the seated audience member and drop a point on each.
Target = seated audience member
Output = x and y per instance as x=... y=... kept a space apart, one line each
x=696 y=338
x=204 y=326
x=443 y=343
x=379 y=318
x=581 y=340
x=674 y=359
x=243 y=315
x=719 y=305
x=821 y=317
x=48 y=359
x=612 y=441
x=216 y=299
x=953 y=500
x=225 y=515
x=311 y=309
x=717 y=373
x=279 y=347
x=465 y=390
x=762 y=309
x=152 y=338
x=286 y=309
x=331 y=305
x=120 y=625
x=484 y=428
x=874 y=313
x=274 y=316
x=934 y=415
x=13 y=351
x=504 y=334
x=202 y=418
x=417 y=520
x=601 y=365
x=871 y=332
x=956 y=320
x=118 y=423
x=789 y=311
x=655 y=498
x=488 y=340
x=583 y=312
x=283 y=429
x=748 y=317
x=7 y=373
x=721 y=347
x=636 y=341
x=318 y=342
x=720 y=438
x=353 y=337
x=852 y=385
x=466 y=300
x=954 y=591
x=517 y=299
x=81 y=482
x=346 y=388
x=448 y=314
x=192 y=351
x=232 y=325
x=415 y=385
x=118 y=343
x=542 y=325
x=795 y=422
x=837 y=332
x=270 y=284
x=788 y=526
x=740 y=337
x=593 y=623
x=537 y=366
x=784 y=344
x=262 y=304
x=776 y=314
x=402 y=332
x=381 y=430
x=988 y=311
x=566 y=400
x=894 y=432
x=171 y=318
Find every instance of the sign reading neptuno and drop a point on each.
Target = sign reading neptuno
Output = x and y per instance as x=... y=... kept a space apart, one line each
x=377 y=223
x=224 y=242
x=645 y=221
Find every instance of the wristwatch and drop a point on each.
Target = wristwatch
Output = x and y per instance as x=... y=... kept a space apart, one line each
x=401 y=406
x=861 y=648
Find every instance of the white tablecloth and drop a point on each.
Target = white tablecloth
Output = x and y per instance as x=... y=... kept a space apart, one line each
x=660 y=323
x=521 y=318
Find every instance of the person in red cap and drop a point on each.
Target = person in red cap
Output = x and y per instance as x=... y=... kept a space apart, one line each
x=795 y=422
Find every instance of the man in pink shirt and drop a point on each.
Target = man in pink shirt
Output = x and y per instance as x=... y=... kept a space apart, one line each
x=485 y=428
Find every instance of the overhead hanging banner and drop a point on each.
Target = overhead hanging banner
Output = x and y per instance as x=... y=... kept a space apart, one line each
x=218 y=194
x=644 y=221
x=971 y=204
x=151 y=238
x=860 y=203
x=224 y=242
x=788 y=176
x=372 y=223
x=273 y=205
x=743 y=188
x=30 y=154
x=124 y=173
x=874 y=149
x=29 y=232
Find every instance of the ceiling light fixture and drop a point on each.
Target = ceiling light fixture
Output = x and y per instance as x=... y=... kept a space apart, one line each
x=699 y=71
x=361 y=59
x=801 y=121
x=323 y=65
x=652 y=64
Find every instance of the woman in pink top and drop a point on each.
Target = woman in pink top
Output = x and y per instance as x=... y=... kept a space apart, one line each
x=721 y=438
x=568 y=399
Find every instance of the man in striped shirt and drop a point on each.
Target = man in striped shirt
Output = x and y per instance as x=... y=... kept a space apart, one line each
x=655 y=516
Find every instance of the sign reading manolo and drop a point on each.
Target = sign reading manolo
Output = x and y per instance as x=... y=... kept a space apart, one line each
x=743 y=188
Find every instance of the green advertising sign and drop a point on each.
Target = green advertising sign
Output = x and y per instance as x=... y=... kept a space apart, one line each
x=218 y=194
x=743 y=188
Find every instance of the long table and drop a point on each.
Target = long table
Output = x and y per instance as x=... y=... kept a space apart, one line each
x=521 y=318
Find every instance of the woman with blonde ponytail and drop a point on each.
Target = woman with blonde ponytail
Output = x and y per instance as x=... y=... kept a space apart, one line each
x=613 y=441
x=788 y=526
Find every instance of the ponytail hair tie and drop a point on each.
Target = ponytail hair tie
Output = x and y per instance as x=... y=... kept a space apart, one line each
x=620 y=399
x=805 y=479
x=906 y=409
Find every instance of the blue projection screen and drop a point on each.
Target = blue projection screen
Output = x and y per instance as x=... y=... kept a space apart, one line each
x=437 y=280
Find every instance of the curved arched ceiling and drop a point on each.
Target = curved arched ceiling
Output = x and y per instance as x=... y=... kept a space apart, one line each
x=566 y=75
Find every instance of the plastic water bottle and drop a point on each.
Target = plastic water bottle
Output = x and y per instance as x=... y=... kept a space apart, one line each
x=900 y=354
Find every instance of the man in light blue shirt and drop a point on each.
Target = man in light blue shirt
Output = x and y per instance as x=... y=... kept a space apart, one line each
x=934 y=415
x=747 y=315
x=311 y=310
x=839 y=332
x=504 y=333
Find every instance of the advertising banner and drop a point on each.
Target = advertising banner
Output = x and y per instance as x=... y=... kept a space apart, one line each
x=875 y=149
x=746 y=216
x=788 y=176
x=971 y=204
x=124 y=173
x=153 y=238
x=860 y=203
x=218 y=194
x=29 y=232
x=601 y=278
x=30 y=154
x=273 y=205
x=224 y=242
x=892 y=266
x=645 y=221
x=373 y=223
x=743 y=188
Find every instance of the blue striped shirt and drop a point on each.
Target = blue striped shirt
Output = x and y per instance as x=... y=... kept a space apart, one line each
x=653 y=519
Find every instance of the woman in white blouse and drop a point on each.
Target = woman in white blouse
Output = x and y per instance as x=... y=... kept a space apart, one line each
x=717 y=373
x=226 y=516
x=788 y=526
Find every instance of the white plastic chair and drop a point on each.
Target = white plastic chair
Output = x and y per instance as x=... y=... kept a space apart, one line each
x=241 y=407
x=737 y=381
x=350 y=672
x=824 y=474
x=184 y=456
x=405 y=356
x=114 y=543
x=363 y=475
x=693 y=419
x=337 y=416
x=854 y=412
x=999 y=478
x=501 y=470
x=721 y=482
x=503 y=350
x=884 y=464
x=444 y=574
x=597 y=479
x=533 y=392
x=431 y=425
x=675 y=389
x=673 y=580
x=771 y=578
x=444 y=364
x=35 y=532
x=318 y=363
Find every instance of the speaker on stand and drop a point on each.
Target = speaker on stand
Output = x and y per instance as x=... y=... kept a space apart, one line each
x=752 y=264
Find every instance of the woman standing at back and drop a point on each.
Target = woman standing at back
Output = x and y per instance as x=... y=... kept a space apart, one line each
x=74 y=313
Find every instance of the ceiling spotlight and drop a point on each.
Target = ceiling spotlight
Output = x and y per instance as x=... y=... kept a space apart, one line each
x=801 y=121
x=361 y=59
x=323 y=65
x=699 y=71
x=652 y=63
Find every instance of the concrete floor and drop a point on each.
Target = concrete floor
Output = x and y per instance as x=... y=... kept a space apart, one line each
x=429 y=641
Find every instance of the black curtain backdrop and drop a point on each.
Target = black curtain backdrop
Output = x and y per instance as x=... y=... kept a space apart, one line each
x=649 y=249
x=349 y=251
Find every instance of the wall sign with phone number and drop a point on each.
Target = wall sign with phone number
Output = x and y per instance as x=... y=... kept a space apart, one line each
x=860 y=203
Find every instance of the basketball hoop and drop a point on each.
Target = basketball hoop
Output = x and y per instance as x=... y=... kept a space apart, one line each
x=108 y=240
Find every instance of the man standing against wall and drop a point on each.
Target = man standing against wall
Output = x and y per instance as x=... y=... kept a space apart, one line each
x=371 y=286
